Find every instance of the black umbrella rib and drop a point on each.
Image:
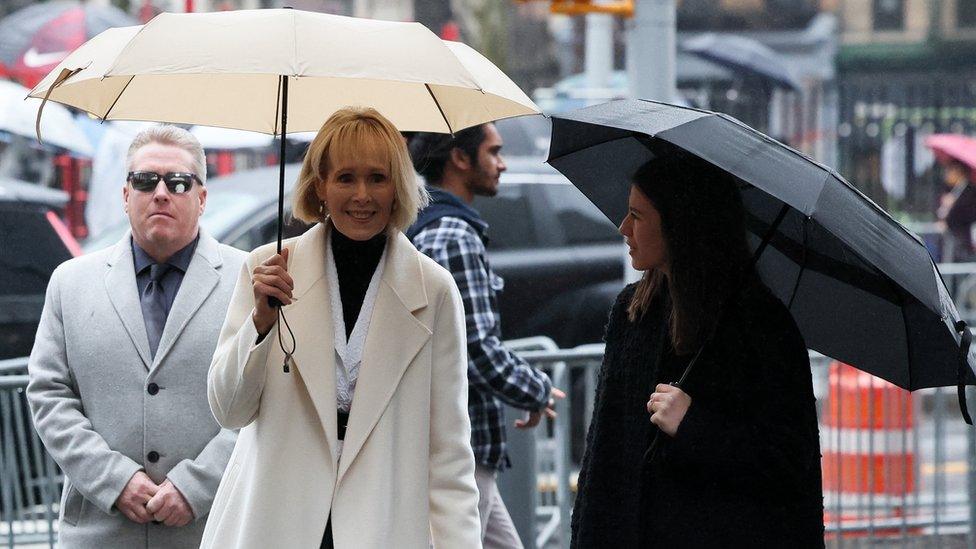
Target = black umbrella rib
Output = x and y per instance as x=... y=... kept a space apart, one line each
x=770 y=232
x=908 y=347
x=874 y=284
x=662 y=103
x=642 y=137
x=117 y=97
x=803 y=263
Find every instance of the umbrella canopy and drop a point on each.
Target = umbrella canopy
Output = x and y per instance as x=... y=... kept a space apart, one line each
x=861 y=288
x=277 y=70
x=225 y=139
x=59 y=128
x=950 y=146
x=745 y=55
x=224 y=69
x=35 y=39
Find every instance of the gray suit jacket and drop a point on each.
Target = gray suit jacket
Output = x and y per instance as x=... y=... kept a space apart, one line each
x=90 y=370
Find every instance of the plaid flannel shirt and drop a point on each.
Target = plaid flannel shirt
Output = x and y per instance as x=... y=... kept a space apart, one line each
x=495 y=374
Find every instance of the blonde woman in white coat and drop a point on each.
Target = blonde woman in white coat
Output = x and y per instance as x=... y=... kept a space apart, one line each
x=379 y=330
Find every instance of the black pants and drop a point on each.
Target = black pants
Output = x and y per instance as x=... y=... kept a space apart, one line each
x=327 y=537
x=342 y=420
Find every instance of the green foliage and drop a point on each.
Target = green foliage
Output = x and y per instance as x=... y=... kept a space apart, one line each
x=492 y=21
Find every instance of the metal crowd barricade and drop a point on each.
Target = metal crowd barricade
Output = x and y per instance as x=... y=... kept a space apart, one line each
x=870 y=500
x=533 y=458
x=899 y=467
x=899 y=472
x=574 y=371
x=30 y=481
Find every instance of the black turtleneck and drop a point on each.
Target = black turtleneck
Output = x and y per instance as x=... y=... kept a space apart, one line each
x=356 y=261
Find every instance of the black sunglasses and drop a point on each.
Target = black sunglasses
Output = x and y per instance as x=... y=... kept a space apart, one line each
x=176 y=182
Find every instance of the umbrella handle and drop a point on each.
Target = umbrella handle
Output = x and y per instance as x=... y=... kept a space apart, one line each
x=652 y=449
x=964 y=342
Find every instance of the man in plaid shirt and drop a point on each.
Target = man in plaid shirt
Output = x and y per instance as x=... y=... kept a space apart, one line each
x=453 y=233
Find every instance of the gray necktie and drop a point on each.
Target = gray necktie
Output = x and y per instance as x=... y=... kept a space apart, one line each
x=154 y=305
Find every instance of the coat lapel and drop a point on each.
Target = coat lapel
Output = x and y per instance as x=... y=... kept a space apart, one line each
x=120 y=285
x=311 y=323
x=200 y=279
x=394 y=339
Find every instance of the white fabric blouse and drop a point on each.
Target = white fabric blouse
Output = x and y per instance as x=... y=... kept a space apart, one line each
x=349 y=354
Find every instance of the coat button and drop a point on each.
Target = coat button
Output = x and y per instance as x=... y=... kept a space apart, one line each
x=153 y=456
x=153 y=388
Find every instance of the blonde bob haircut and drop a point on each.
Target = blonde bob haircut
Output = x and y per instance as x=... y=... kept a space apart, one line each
x=347 y=134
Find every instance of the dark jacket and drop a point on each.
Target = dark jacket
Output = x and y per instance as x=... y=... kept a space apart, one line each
x=959 y=222
x=744 y=466
x=445 y=204
x=453 y=234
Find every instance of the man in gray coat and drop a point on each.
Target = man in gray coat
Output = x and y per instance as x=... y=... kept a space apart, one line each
x=118 y=373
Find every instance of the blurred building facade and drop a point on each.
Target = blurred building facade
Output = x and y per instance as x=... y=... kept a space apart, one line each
x=802 y=34
x=805 y=34
x=906 y=70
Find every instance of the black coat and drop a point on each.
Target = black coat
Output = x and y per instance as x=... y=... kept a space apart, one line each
x=743 y=468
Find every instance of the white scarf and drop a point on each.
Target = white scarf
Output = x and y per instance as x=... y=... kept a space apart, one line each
x=349 y=355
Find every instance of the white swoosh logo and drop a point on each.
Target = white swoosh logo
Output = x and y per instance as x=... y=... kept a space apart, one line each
x=34 y=59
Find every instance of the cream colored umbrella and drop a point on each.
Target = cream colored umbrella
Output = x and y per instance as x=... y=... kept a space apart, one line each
x=280 y=70
x=226 y=69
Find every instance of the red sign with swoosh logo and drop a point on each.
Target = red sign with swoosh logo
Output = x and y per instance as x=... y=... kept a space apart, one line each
x=52 y=43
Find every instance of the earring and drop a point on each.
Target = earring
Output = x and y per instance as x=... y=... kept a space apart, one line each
x=321 y=207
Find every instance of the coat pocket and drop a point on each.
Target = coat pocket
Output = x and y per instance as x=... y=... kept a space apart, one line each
x=72 y=503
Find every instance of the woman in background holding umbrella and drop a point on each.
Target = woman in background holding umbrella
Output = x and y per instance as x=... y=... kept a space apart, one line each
x=360 y=436
x=738 y=459
x=957 y=209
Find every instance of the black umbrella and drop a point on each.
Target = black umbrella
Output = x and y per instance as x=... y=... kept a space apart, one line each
x=861 y=288
x=743 y=55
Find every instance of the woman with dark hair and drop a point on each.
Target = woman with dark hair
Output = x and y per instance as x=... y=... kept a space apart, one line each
x=737 y=461
x=958 y=212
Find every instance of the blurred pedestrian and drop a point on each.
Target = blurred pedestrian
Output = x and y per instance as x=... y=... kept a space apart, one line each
x=118 y=370
x=453 y=233
x=957 y=210
x=737 y=462
x=359 y=438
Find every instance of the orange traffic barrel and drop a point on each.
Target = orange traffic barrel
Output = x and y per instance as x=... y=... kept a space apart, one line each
x=868 y=448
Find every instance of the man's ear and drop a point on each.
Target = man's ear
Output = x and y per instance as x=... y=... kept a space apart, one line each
x=203 y=199
x=460 y=159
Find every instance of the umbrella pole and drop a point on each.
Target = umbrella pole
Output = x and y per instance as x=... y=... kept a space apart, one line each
x=652 y=449
x=283 y=109
x=281 y=160
x=273 y=301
